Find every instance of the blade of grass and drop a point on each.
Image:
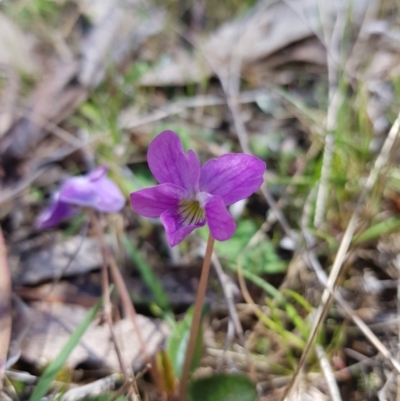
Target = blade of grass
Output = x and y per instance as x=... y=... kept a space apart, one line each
x=378 y=230
x=55 y=366
x=289 y=337
x=298 y=298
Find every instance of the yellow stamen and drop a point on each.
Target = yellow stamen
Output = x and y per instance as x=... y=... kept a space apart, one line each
x=191 y=212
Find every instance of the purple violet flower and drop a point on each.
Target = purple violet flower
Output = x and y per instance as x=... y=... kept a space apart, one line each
x=189 y=196
x=93 y=190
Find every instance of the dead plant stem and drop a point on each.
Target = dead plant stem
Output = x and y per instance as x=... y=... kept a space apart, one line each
x=108 y=316
x=198 y=308
x=109 y=260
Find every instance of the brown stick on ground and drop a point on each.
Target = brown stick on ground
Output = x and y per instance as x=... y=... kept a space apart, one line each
x=127 y=371
x=5 y=307
x=126 y=301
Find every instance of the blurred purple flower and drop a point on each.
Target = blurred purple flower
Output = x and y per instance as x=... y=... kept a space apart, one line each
x=93 y=190
x=190 y=195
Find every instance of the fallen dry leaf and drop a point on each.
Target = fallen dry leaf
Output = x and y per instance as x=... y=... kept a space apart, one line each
x=74 y=256
x=265 y=30
x=53 y=324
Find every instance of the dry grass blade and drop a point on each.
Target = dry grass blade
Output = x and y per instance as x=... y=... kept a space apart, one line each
x=5 y=307
x=328 y=374
x=342 y=252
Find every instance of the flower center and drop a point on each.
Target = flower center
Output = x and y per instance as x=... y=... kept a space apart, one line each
x=191 y=212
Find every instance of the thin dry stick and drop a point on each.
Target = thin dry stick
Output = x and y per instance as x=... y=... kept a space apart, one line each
x=330 y=379
x=121 y=391
x=108 y=316
x=122 y=290
x=5 y=307
x=229 y=298
x=342 y=252
x=234 y=317
x=173 y=108
x=93 y=389
x=198 y=308
x=333 y=48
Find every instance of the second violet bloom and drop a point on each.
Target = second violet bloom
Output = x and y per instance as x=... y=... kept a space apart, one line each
x=94 y=190
x=191 y=195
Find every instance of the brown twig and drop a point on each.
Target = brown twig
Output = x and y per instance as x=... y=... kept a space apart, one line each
x=123 y=292
x=198 y=307
x=108 y=316
x=5 y=307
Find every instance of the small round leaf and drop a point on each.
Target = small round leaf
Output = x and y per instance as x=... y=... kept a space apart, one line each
x=222 y=387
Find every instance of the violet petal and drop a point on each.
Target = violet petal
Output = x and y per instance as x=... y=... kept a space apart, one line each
x=175 y=230
x=97 y=173
x=220 y=222
x=79 y=191
x=233 y=176
x=54 y=214
x=99 y=193
x=110 y=199
x=153 y=201
x=170 y=164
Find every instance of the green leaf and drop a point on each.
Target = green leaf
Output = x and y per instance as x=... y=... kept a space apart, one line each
x=55 y=366
x=91 y=112
x=178 y=341
x=230 y=250
x=260 y=258
x=267 y=287
x=297 y=319
x=274 y=293
x=222 y=387
x=166 y=371
x=148 y=276
x=377 y=230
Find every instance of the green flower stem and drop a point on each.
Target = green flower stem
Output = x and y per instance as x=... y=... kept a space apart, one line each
x=198 y=307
